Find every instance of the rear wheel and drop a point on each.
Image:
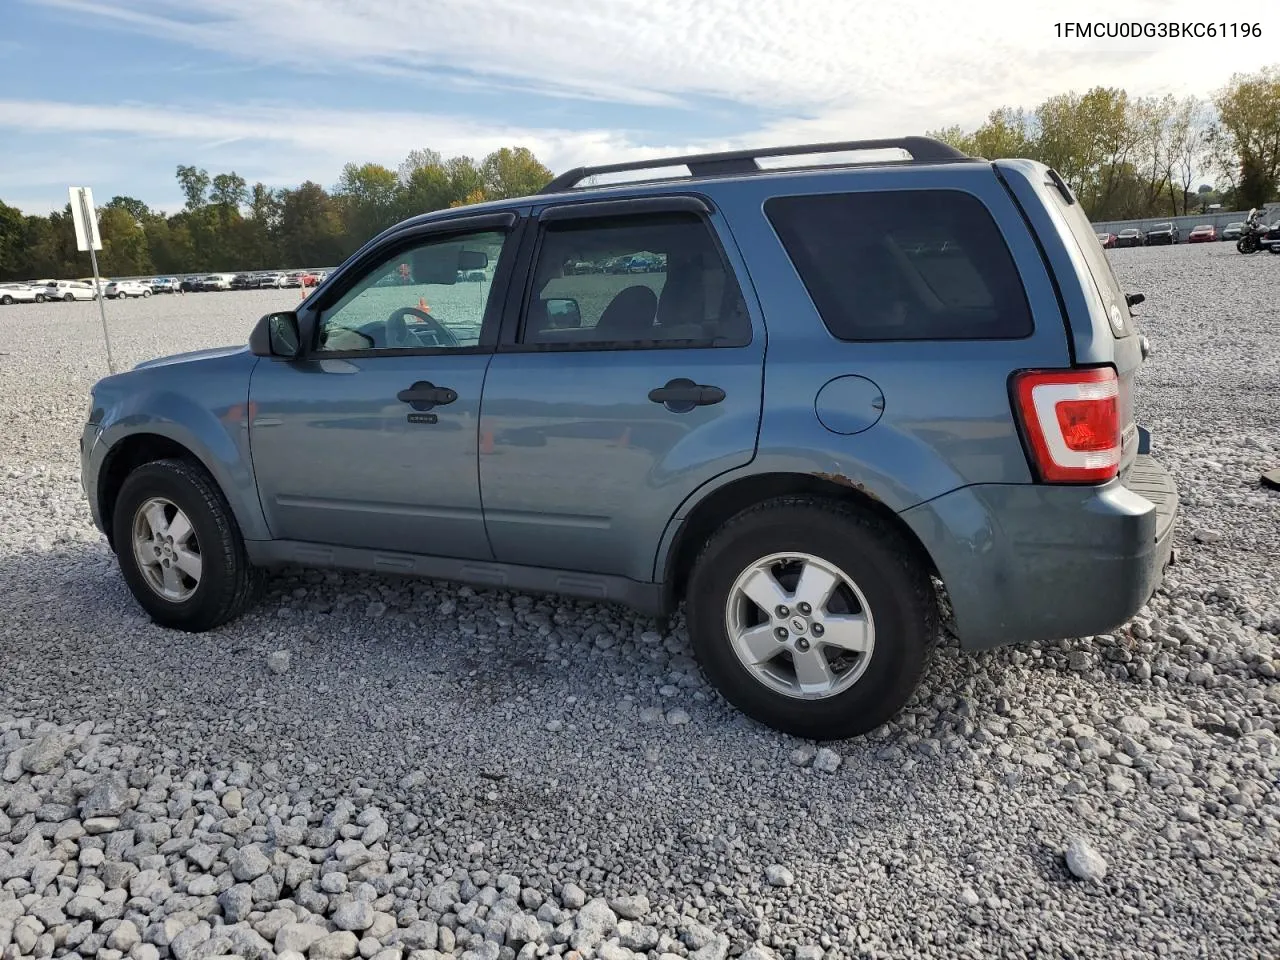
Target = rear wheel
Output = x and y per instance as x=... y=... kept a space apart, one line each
x=40 y=298
x=812 y=617
x=6 y=300
x=68 y=298
x=179 y=547
x=145 y=294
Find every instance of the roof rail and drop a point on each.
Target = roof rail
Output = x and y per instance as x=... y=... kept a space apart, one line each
x=921 y=149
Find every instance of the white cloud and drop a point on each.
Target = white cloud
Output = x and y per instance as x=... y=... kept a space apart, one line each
x=951 y=62
x=815 y=71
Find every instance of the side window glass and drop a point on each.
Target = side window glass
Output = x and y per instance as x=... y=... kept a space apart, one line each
x=634 y=281
x=904 y=265
x=431 y=295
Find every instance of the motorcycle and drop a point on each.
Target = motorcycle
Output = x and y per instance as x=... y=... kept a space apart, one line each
x=1255 y=235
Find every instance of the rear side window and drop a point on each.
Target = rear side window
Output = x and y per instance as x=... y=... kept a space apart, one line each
x=1104 y=278
x=904 y=265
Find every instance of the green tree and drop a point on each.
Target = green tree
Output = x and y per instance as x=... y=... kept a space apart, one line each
x=125 y=251
x=310 y=230
x=513 y=173
x=368 y=197
x=134 y=207
x=229 y=191
x=1246 y=134
x=194 y=184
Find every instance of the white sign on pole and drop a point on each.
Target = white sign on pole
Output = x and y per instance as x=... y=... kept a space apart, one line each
x=85 y=216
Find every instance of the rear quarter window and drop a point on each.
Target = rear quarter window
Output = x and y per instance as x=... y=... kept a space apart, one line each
x=903 y=265
x=1104 y=279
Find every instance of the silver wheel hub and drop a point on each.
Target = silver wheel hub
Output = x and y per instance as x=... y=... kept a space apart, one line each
x=800 y=625
x=166 y=549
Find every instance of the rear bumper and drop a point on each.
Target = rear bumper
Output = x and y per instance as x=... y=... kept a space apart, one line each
x=1035 y=562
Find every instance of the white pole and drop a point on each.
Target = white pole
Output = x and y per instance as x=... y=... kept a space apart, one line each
x=97 y=282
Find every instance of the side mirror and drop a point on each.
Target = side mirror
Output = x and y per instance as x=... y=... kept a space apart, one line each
x=276 y=335
x=563 y=314
x=1134 y=298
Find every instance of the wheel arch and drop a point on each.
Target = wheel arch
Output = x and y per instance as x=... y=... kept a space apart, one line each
x=125 y=456
x=718 y=505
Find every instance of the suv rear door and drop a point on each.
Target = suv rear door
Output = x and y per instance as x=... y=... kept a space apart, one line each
x=613 y=394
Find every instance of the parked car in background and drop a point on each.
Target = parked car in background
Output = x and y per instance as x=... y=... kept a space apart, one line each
x=801 y=501
x=164 y=285
x=69 y=290
x=292 y=279
x=1204 y=233
x=190 y=284
x=266 y=281
x=19 y=293
x=216 y=281
x=1130 y=237
x=1161 y=234
x=242 y=281
x=121 y=289
x=1108 y=240
x=1232 y=231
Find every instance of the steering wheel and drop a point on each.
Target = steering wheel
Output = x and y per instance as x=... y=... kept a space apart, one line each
x=399 y=334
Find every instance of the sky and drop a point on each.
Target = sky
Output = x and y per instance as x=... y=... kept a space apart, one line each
x=114 y=94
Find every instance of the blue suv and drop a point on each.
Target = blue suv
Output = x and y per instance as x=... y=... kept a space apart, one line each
x=838 y=393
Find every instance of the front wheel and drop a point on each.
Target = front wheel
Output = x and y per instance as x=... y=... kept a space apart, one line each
x=1247 y=245
x=812 y=617
x=179 y=547
x=68 y=298
x=40 y=298
x=6 y=300
x=145 y=294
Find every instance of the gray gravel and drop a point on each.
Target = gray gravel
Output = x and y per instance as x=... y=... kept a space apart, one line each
x=425 y=770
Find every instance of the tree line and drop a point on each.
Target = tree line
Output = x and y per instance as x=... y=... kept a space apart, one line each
x=1133 y=157
x=1125 y=157
x=227 y=225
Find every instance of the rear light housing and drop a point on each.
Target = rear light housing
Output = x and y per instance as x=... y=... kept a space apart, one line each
x=1071 y=421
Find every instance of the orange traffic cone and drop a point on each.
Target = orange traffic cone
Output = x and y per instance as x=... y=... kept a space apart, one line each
x=422 y=305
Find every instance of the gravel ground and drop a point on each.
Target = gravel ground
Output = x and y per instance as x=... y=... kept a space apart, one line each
x=395 y=769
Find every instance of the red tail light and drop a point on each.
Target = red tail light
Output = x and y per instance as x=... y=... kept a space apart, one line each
x=1072 y=423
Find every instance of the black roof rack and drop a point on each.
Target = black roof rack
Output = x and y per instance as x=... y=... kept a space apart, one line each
x=921 y=149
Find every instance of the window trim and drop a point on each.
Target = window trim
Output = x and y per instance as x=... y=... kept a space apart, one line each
x=518 y=305
x=995 y=222
x=510 y=223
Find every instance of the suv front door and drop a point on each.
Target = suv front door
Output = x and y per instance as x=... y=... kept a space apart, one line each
x=616 y=393
x=369 y=440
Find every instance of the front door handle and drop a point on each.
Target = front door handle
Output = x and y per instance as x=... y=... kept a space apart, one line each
x=424 y=395
x=682 y=395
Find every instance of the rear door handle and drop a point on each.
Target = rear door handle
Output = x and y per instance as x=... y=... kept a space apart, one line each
x=682 y=395
x=424 y=395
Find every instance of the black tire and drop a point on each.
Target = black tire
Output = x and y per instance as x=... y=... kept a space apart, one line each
x=6 y=300
x=885 y=567
x=228 y=582
x=69 y=298
x=40 y=298
x=145 y=294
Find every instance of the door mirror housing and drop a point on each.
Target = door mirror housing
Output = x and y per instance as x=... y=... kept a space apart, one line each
x=277 y=335
x=563 y=314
